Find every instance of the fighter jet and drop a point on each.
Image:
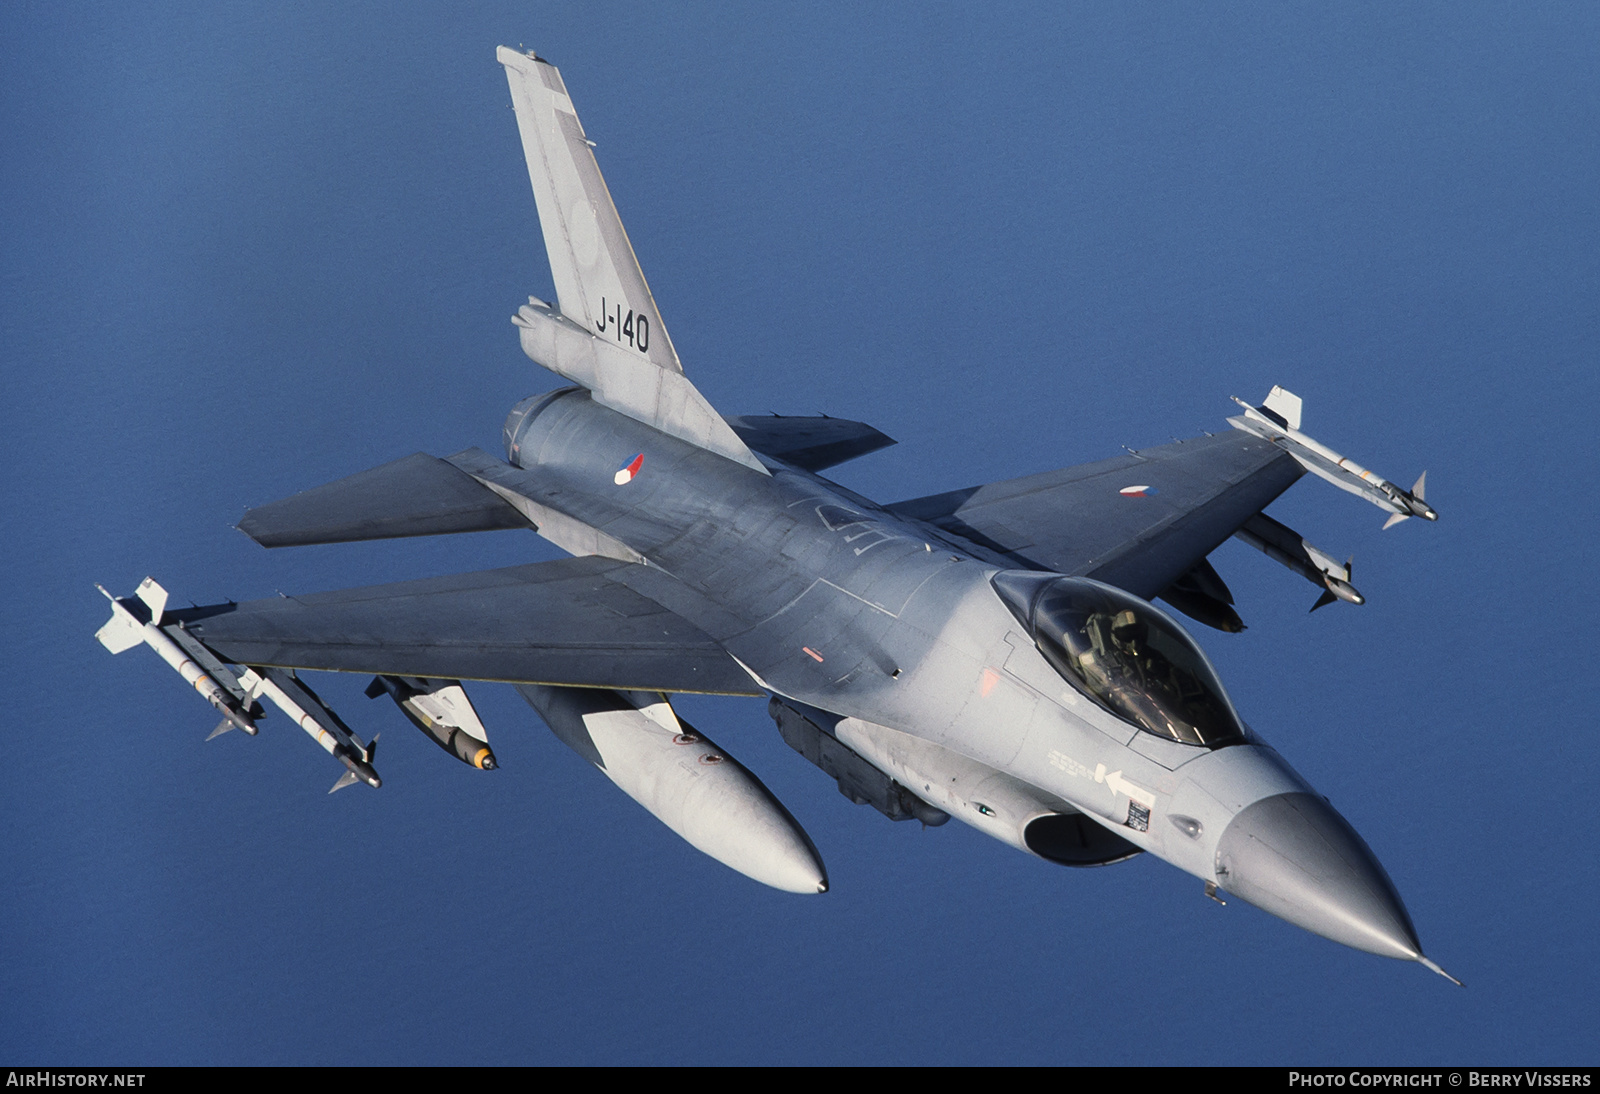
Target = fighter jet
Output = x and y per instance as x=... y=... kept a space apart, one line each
x=992 y=654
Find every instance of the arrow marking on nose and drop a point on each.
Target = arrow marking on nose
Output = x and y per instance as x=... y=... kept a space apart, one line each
x=1119 y=785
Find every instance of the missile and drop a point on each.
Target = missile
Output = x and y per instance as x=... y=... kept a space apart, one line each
x=1340 y=589
x=1284 y=545
x=358 y=769
x=291 y=695
x=692 y=786
x=124 y=631
x=1414 y=501
x=441 y=709
x=1278 y=421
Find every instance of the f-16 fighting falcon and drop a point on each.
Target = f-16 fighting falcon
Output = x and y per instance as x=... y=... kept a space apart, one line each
x=991 y=654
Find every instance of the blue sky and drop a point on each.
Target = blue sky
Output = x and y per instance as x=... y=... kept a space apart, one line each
x=245 y=252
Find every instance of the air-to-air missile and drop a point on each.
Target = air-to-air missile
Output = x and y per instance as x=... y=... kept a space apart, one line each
x=1284 y=545
x=1278 y=421
x=291 y=695
x=188 y=658
x=236 y=696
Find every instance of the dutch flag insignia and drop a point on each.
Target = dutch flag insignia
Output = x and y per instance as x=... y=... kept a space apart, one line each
x=627 y=471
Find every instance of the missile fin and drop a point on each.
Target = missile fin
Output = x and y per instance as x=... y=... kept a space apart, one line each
x=121 y=631
x=1396 y=519
x=222 y=727
x=1285 y=404
x=347 y=779
x=155 y=597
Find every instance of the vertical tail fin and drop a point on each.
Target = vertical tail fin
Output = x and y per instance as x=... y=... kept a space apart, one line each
x=605 y=332
x=599 y=284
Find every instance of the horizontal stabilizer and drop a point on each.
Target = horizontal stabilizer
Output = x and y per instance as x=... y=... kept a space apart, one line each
x=518 y=485
x=419 y=495
x=811 y=444
x=572 y=622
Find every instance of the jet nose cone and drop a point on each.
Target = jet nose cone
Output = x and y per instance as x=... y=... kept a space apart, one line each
x=1293 y=856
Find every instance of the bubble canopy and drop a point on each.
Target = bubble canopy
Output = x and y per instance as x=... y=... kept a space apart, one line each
x=1126 y=655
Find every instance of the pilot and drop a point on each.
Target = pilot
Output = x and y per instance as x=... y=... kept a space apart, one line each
x=1157 y=676
x=1129 y=631
x=1115 y=662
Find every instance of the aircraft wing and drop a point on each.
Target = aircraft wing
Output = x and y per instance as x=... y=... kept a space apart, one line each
x=570 y=622
x=1139 y=521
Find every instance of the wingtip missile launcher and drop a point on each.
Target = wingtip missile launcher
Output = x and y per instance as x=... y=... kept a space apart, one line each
x=1277 y=420
x=440 y=708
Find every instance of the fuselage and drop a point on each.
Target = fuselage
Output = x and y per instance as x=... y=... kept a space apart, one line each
x=833 y=602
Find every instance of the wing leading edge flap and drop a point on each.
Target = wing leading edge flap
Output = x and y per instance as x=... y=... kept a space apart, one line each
x=572 y=622
x=419 y=495
x=1139 y=522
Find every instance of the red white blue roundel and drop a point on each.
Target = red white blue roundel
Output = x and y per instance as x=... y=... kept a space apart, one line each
x=627 y=471
x=1138 y=491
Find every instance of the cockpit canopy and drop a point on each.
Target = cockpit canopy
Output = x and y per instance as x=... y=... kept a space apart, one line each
x=1125 y=655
